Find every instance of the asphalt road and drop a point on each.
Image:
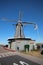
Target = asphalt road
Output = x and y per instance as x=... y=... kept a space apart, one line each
x=16 y=59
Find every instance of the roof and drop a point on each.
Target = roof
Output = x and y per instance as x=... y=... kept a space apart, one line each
x=13 y=39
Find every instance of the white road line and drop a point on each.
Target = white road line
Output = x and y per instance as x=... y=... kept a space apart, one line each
x=23 y=63
x=6 y=54
x=2 y=55
x=15 y=64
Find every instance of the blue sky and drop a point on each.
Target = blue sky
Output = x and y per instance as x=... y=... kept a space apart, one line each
x=32 y=11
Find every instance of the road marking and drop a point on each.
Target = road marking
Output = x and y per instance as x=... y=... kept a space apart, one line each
x=23 y=63
x=15 y=64
x=6 y=54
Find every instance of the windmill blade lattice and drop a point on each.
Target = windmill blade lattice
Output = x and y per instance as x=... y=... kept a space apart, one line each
x=9 y=20
x=26 y=23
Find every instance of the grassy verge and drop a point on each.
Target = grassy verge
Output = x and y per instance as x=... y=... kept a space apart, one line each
x=34 y=53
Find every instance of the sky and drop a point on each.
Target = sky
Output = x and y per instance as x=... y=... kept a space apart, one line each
x=32 y=11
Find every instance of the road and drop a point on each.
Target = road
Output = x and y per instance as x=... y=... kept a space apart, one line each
x=10 y=58
x=16 y=59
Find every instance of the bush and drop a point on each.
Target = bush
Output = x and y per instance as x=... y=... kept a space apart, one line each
x=42 y=52
x=6 y=46
x=38 y=47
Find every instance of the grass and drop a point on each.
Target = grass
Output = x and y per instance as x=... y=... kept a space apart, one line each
x=34 y=53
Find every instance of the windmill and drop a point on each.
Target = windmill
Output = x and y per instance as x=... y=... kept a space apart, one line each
x=19 y=34
x=19 y=26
